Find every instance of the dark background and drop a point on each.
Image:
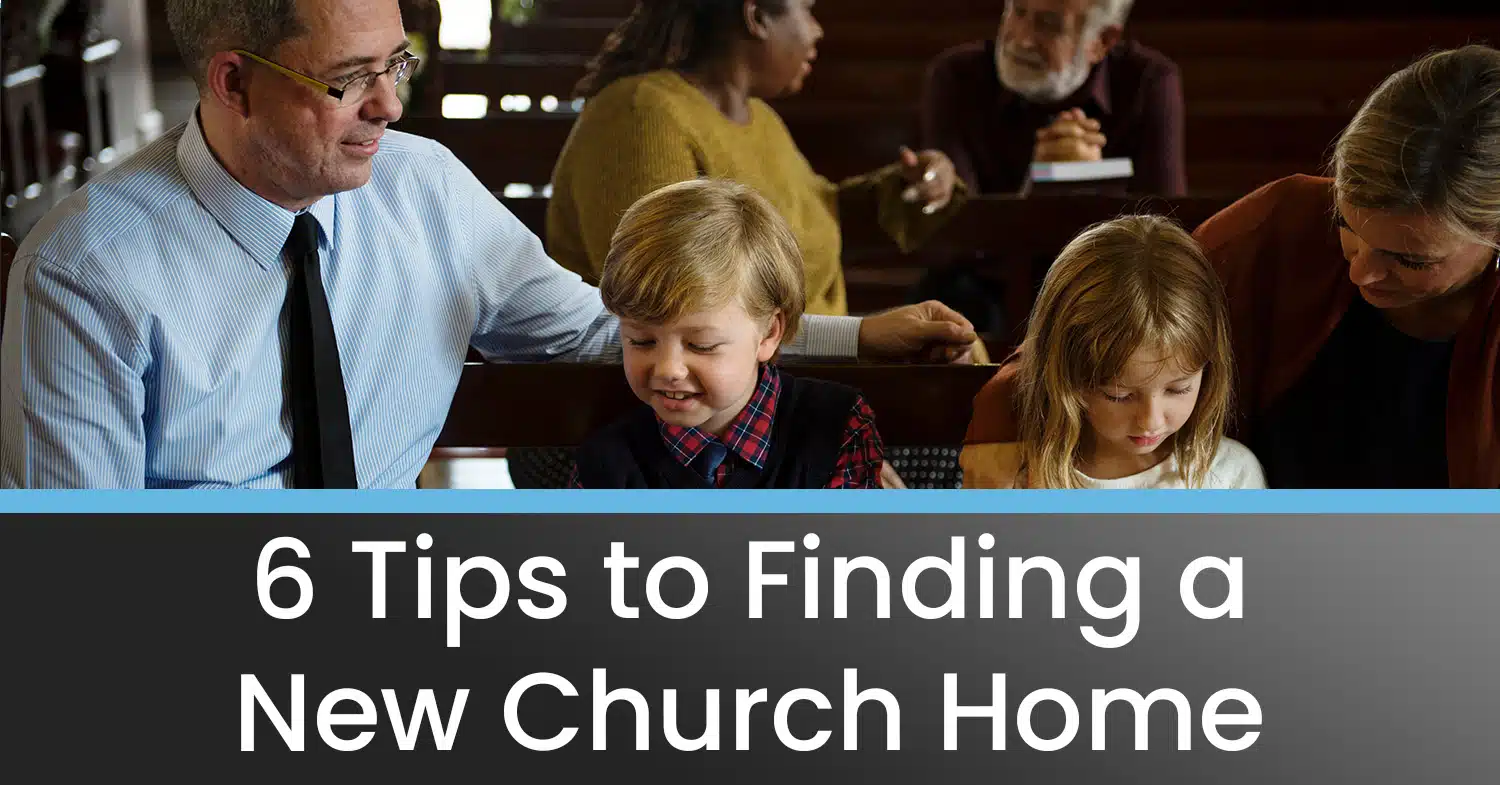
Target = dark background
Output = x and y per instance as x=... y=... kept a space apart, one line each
x=1369 y=643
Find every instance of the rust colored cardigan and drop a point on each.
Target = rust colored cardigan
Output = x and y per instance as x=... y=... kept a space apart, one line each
x=1287 y=282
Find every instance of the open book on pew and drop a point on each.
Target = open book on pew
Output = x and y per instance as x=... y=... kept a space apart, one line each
x=1072 y=177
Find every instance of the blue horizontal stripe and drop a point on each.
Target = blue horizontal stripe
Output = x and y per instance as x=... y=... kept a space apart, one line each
x=725 y=502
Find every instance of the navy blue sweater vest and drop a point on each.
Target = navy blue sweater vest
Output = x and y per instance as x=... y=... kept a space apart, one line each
x=808 y=430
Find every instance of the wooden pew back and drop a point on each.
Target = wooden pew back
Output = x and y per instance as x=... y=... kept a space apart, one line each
x=1226 y=154
x=829 y=11
x=997 y=237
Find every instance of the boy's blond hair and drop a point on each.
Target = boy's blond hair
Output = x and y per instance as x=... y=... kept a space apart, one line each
x=700 y=245
x=1119 y=286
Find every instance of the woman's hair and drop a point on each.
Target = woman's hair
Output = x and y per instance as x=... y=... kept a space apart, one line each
x=666 y=34
x=700 y=245
x=1428 y=139
x=1131 y=283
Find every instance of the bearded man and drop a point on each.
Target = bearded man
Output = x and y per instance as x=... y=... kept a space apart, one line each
x=1059 y=82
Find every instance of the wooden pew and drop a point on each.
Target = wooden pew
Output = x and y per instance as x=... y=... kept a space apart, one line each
x=1308 y=81
x=996 y=236
x=914 y=404
x=1039 y=225
x=1265 y=95
x=1183 y=39
x=1226 y=153
x=829 y=11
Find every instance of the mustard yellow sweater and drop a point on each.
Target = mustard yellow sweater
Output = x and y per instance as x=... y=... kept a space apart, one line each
x=643 y=132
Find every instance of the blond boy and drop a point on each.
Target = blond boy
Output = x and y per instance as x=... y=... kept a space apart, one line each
x=707 y=281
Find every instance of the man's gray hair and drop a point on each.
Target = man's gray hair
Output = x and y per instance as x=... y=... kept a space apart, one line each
x=1109 y=12
x=204 y=27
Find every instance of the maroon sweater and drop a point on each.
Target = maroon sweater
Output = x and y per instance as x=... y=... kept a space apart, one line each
x=1135 y=93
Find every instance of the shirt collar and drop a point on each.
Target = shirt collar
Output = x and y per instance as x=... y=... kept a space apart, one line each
x=258 y=226
x=1093 y=93
x=748 y=435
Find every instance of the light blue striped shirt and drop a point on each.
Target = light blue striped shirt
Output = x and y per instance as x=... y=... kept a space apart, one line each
x=144 y=336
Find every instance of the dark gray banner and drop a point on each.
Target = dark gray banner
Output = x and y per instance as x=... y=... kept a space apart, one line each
x=1300 y=649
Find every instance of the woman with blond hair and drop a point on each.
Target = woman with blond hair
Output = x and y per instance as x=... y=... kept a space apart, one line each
x=1124 y=379
x=1362 y=305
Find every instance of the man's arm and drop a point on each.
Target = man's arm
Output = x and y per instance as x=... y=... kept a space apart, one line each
x=73 y=396
x=1159 y=163
x=942 y=116
x=527 y=308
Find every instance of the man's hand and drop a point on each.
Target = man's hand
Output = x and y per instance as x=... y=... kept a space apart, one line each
x=927 y=332
x=931 y=176
x=1071 y=137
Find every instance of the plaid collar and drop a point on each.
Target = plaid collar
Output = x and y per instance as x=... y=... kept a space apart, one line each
x=749 y=434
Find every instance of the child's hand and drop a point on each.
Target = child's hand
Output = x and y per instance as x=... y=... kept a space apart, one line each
x=889 y=479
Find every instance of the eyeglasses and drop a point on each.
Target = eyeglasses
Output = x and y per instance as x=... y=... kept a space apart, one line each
x=353 y=88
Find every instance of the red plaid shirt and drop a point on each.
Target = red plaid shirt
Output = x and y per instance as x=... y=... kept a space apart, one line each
x=748 y=438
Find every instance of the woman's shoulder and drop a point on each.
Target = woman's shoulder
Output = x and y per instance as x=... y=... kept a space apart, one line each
x=1235 y=466
x=1290 y=204
x=654 y=94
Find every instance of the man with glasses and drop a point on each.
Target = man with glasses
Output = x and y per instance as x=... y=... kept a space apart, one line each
x=1057 y=83
x=281 y=292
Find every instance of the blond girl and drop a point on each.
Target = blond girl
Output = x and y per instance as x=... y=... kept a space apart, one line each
x=1124 y=378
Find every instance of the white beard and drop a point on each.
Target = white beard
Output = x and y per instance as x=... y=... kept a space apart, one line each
x=1037 y=86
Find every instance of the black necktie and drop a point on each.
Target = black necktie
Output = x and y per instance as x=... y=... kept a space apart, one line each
x=322 y=445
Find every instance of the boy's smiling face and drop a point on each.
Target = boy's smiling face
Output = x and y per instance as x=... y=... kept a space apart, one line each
x=699 y=370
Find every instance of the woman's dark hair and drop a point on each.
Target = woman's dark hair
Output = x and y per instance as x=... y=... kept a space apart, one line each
x=666 y=34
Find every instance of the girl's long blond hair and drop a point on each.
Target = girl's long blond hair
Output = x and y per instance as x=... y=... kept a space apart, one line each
x=1119 y=286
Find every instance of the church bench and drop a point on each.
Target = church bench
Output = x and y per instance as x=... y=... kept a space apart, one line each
x=1226 y=153
x=1186 y=40
x=830 y=11
x=1300 y=80
x=995 y=236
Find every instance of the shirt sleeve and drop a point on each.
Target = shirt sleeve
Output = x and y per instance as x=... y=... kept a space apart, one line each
x=1159 y=164
x=942 y=118
x=904 y=222
x=526 y=307
x=862 y=454
x=72 y=402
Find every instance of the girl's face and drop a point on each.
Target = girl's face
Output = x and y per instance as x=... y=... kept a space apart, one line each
x=1133 y=416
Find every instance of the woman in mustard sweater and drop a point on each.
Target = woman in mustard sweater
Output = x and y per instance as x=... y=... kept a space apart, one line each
x=676 y=93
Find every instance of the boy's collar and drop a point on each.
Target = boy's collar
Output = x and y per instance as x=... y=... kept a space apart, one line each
x=749 y=433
